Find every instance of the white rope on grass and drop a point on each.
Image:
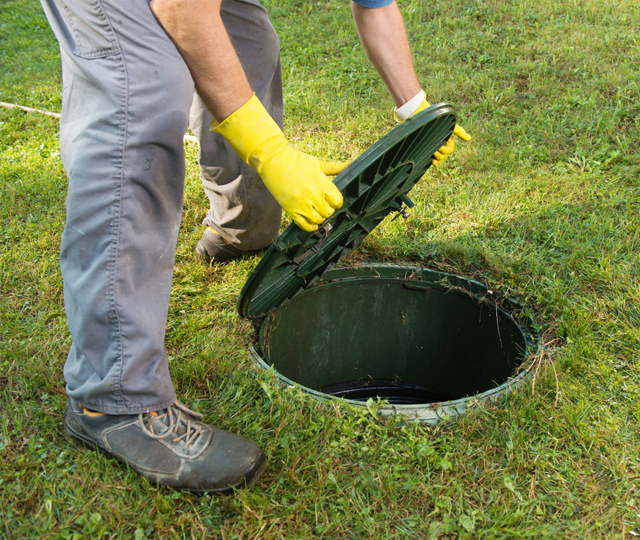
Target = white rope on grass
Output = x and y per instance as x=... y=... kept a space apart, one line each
x=189 y=138
x=28 y=109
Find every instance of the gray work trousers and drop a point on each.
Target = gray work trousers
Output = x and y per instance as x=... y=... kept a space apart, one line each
x=127 y=97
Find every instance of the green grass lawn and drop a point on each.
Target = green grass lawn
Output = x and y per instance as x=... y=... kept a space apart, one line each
x=542 y=205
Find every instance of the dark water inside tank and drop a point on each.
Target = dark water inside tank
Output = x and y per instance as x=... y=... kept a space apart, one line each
x=396 y=392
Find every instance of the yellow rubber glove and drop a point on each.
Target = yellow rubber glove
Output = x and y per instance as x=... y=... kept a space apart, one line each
x=296 y=180
x=444 y=152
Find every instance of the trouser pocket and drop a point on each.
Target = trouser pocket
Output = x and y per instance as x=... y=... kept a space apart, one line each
x=82 y=27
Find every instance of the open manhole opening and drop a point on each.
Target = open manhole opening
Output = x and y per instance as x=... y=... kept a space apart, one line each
x=425 y=342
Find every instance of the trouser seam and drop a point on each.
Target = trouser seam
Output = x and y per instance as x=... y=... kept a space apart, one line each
x=122 y=116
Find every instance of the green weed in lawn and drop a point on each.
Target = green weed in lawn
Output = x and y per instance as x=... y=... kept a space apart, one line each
x=543 y=205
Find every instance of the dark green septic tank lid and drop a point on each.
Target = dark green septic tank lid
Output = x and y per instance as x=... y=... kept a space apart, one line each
x=373 y=186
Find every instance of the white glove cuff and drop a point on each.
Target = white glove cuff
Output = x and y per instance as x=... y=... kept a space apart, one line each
x=411 y=106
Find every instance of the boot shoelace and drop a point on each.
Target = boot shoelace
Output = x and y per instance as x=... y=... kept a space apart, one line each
x=173 y=419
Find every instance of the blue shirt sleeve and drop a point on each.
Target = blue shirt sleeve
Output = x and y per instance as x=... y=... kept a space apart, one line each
x=373 y=3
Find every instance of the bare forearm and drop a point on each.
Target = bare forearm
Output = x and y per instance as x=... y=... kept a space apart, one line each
x=384 y=39
x=197 y=30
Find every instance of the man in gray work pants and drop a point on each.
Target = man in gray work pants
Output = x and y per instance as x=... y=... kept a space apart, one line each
x=128 y=95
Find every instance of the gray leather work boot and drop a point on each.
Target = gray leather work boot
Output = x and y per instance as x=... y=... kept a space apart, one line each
x=213 y=248
x=171 y=447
